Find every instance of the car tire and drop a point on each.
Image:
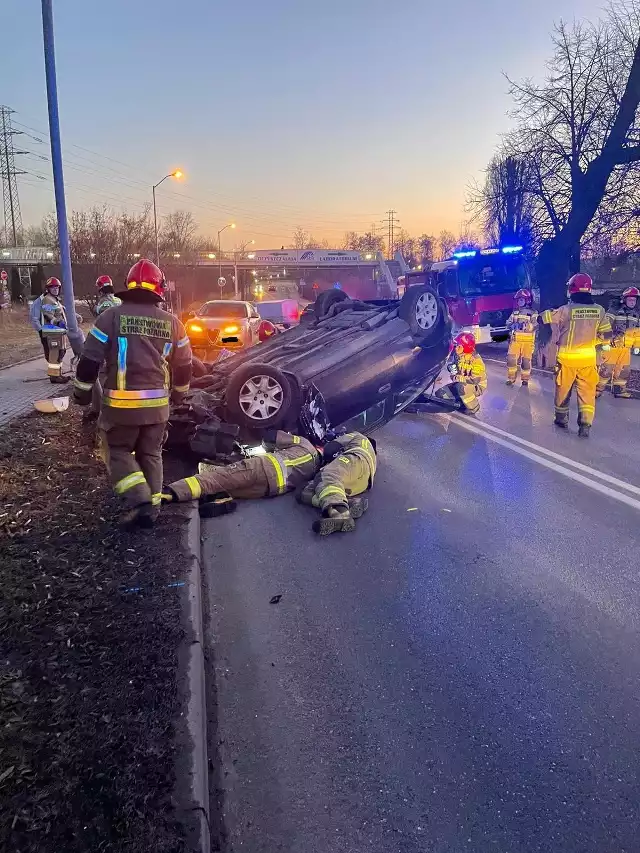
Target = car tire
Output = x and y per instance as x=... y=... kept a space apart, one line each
x=422 y=311
x=260 y=396
x=325 y=300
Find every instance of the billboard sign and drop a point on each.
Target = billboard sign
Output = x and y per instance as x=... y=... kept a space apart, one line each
x=307 y=257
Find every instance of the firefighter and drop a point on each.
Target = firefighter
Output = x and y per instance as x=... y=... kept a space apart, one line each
x=468 y=375
x=106 y=299
x=148 y=361
x=615 y=366
x=522 y=333
x=48 y=318
x=581 y=324
x=291 y=461
x=106 y=295
x=349 y=469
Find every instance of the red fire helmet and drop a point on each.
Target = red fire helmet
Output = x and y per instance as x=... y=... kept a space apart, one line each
x=630 y=291
x=579 y=283
x=266 y=330
x=145 y=275
x=53 y=282
x=466 y=341
x=103 y=281
x=525 y=294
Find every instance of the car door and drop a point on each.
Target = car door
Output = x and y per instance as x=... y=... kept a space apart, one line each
x=254 y=323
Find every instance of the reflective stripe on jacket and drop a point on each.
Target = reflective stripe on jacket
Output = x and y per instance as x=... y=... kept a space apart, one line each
x=470 y=368
x=580 y=328
x=292 y=462
x=522 y=324
x=147 y=356
x=625 y=326
x=110 y=300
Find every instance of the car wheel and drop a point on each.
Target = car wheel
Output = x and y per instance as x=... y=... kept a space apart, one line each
x=259 y=396
x=325 y=300
x=421 y=309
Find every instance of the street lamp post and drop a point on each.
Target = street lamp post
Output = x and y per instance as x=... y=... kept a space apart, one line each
x=176 y=174
x=229 y=225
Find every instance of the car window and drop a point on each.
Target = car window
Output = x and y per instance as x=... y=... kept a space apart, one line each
x=224 y=309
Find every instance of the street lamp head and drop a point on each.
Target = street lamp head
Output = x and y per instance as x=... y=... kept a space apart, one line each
x=211 y=256
x=232 y=225
x=177 y=174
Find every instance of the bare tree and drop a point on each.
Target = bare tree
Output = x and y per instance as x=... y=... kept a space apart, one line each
x=177 y=235
x=446 y=244
x=578 y=132
x=426 y=249
x=504 y=204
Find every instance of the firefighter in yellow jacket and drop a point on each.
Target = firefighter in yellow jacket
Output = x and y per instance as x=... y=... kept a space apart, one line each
x=581 y=325
x=522 y=335
x=468 y=374
x=148 y=361
x=291 y=461
x=615 y=366
x=349 y=469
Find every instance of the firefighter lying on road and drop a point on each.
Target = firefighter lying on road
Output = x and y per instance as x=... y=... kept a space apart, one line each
x=293 y=461
x=348 y=472
x=468 y=373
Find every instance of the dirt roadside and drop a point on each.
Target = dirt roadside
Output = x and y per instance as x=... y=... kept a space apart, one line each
x=90 y=637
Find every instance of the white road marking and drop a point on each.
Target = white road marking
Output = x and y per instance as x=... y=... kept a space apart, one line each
x=476 y=427
x=566 y=460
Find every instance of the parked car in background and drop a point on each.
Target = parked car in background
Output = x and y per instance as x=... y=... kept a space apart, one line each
x=222 y=324
x=281 y=312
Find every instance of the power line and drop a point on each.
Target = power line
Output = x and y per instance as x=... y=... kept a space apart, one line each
x=12 y=215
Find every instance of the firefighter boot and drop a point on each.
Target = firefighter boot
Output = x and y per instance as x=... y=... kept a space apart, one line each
x=560 y=422
x=510 y=382
x=357 y=507
x=525 y=382
x=213 y=506
x=334 y=520
x=583 y=430
x=141 y=516
x=621 y=391
x=59 y=380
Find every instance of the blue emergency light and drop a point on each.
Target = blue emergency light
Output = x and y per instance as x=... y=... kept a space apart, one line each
x=337 y=285
x=466 y=254
x=511 y=250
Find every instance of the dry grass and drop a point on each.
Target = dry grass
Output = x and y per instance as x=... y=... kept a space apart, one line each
x=18 y=341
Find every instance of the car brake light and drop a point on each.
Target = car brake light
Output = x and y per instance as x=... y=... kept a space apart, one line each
x=232 y=329
x=194 y=327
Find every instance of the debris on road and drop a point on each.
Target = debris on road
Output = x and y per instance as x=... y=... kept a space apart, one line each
x=89 y=684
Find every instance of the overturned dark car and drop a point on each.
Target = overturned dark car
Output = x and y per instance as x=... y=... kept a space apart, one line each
x=348 y=364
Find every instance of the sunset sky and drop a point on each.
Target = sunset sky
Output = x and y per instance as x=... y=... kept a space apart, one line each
x=282 y=113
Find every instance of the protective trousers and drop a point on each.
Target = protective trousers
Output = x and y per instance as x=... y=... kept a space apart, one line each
x=54 y=351
x=346 y=476
x=519 y=352
x=134 y=460
x=615 y=367
x=464 y=393
x=584 y=375
x=246 y=480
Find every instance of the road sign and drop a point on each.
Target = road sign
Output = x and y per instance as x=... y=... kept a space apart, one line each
x=221 y=282
x=3 y=275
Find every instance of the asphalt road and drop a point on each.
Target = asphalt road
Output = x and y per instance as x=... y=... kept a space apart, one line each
x=462 y=673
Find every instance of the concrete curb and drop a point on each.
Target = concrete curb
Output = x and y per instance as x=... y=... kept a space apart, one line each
x=193 y=770
x=19 y=363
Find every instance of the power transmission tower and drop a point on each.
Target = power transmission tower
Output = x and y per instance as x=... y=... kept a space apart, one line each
x=12 y=215
x=391 y=223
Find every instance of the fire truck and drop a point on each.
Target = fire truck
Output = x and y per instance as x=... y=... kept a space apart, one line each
x=478 y=286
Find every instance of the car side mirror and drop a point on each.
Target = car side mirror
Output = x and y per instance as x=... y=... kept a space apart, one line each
x=191 y=315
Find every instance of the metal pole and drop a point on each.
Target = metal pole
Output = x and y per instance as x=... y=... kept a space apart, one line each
x=220 y=254
x=235 y=273
x=155 y=224
x=76 y=338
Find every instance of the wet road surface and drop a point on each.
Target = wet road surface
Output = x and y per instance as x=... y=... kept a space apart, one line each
x=462 y=672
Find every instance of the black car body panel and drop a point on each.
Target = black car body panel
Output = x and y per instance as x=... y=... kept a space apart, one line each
x=364 y=360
